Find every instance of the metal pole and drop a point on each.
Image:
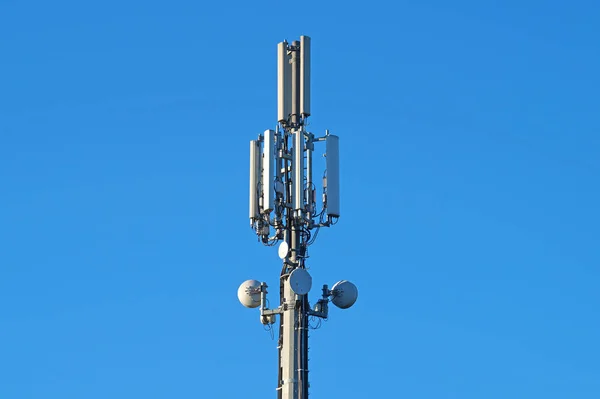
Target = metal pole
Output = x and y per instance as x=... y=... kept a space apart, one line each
x=293 y=359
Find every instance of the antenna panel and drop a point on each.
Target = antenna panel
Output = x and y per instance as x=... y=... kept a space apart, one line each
x=284 y=83
x=254 y=179
x=268 y=176
x=298 y=159
x=305 y=75
x=332 y=161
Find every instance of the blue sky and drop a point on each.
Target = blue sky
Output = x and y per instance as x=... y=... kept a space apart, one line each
x=469 y=138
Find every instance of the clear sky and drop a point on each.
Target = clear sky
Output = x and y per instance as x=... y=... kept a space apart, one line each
x=470 y=146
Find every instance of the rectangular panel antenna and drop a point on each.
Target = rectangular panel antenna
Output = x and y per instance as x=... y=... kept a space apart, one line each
x=298 y=160
x=284 y=83
x=305 y=75
x=254 y=179
x=268 y=176
x=332 y=162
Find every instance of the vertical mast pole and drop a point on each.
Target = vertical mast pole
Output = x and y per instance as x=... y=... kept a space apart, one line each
x=294 y=349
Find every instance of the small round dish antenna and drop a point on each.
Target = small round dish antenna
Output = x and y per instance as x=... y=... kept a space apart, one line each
x=283 y=250
x=300 y=281
x=249 y=293
x=344 y=294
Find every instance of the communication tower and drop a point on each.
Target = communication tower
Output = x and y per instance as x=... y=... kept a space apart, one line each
x=284 y=209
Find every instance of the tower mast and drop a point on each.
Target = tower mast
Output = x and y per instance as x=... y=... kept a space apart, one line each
x=283 y=198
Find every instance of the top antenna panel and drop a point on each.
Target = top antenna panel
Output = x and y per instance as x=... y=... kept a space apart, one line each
x=305 y=75
x=284 y=83
x=287 y=98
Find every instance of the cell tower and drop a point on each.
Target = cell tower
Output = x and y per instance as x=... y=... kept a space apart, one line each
x=284 y=210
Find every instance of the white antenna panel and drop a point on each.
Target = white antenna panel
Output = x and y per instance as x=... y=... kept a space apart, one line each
x=254 y=179
x=284 y=83
x=332 y=161
x=298 y=160
x=305 y=75
x=268 y=176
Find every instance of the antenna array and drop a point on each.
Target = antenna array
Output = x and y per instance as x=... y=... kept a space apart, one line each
x=283 y=209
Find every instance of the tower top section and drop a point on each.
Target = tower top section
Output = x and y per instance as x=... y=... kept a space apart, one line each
x=283 y=193
x=293 y=81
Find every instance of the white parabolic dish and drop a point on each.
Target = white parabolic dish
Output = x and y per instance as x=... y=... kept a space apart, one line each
x=283 y=250
x=344 y=294
x=300 y=281
x=249 y=293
